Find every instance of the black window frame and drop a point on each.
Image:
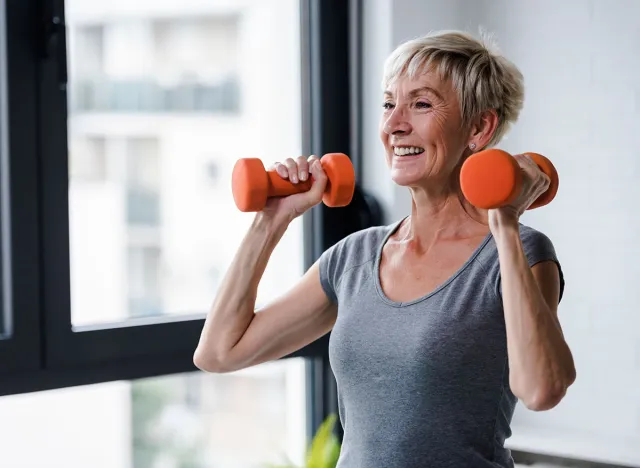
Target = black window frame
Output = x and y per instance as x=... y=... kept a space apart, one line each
x=19 y=254
x=44 y=352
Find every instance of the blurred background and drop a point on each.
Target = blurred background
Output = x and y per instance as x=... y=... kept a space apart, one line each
x=124 y=228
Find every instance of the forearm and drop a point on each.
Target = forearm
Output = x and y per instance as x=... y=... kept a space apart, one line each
x=541 y=364
x=234 y=306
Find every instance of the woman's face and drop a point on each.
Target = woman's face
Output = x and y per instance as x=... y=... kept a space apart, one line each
x=421 y=129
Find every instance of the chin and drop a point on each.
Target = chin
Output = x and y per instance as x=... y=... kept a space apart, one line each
x=404 y=179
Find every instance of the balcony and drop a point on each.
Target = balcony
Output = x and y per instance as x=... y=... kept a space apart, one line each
x=150 y=96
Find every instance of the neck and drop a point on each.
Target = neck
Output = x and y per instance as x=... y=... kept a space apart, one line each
x=442 y=213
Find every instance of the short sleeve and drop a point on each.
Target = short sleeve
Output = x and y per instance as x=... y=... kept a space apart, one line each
x=539 y=248
x=329 y=264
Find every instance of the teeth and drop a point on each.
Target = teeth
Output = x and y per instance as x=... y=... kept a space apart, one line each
x=403 y=151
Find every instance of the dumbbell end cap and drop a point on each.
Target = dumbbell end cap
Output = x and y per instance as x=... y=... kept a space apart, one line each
x=548 y=168
x=342 y=180
x=249 y=184
x=490 y=179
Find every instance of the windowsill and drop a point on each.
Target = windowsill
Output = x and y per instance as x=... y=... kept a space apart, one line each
x=578 y=445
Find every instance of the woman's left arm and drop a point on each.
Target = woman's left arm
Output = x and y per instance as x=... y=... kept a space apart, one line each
x=541 y=365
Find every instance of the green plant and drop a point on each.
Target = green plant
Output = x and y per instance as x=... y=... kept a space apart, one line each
x=324 y=449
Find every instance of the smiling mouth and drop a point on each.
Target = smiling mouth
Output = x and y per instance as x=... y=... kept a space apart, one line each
x=407 y=150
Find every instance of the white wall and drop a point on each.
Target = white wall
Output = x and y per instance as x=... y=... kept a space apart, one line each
x=582 y=70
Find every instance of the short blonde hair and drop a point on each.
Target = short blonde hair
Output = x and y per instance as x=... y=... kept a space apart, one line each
x=482 y=77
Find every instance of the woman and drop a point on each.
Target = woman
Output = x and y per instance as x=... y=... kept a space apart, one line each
x=441 y=321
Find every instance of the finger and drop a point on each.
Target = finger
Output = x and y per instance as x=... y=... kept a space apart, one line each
x=546 y=180
x=529 y=167
x=311 y=161
x=280 y=169
x=536 y=171
x=539 y=180
x=524 y=161
x=303 y=168
x=292 y=169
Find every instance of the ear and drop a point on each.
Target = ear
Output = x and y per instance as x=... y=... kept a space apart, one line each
x=483 y=128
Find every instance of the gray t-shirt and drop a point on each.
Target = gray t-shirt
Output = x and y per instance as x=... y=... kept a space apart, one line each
x=423 y=383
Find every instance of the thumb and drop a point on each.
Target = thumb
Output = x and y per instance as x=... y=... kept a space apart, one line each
x=314 y=195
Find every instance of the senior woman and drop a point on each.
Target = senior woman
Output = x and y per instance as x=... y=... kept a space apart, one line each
x=440 y=321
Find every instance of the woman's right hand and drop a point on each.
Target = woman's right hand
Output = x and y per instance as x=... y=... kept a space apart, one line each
x=298 y=170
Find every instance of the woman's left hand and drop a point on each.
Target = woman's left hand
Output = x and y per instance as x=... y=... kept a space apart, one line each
x=534 y=183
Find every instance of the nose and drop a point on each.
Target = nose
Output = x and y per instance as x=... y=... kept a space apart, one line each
x=397 y=123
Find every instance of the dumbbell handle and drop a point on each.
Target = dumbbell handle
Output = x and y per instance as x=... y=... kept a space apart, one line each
x=252 y=185
x=279 y=187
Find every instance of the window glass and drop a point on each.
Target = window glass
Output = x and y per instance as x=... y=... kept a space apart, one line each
x=163 y=98
x=247 y=419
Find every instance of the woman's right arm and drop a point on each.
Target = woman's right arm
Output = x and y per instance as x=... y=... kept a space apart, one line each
x=236 y=335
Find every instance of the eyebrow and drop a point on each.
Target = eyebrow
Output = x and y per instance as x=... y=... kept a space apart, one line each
x=414 y=92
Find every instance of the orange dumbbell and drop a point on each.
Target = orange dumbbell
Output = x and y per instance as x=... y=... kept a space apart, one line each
x=252 y=184
x=493 y=178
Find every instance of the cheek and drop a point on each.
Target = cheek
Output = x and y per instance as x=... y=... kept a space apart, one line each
x=440 y=134
x=430 y=132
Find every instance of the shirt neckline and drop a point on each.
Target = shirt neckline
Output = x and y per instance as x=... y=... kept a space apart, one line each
x=376 y=269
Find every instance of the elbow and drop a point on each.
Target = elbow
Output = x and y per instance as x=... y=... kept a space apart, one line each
x=546 y=397
x=208 y=362
x=543 y=400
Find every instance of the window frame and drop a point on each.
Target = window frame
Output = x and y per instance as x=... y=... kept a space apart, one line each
x=332 y=37
x=19 y=253
x=46 y=353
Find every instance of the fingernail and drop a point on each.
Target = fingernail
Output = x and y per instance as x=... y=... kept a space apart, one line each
x=294 y=178
x=303 y=175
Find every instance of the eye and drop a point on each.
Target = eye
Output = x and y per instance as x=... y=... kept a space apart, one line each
x=422 y=105
x=387 y=105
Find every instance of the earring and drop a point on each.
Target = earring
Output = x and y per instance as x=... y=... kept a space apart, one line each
x=472 y=146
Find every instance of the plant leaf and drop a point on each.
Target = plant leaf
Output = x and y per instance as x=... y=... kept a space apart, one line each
x=325 y=446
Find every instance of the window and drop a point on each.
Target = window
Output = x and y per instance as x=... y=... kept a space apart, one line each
x=145 y=62
x=118 y=223
x=87 y=160
x=145 y=242
x=246 y=419
x=157 y=198
x=143 y=282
